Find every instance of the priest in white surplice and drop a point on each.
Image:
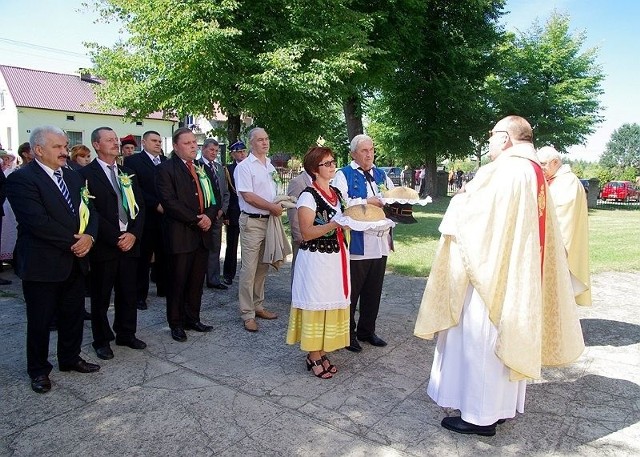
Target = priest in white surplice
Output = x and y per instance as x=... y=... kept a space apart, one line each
x=499 y=294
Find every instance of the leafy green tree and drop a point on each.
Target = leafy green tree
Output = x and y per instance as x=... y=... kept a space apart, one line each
x=434 y=102
x=623 y=148
x=281 y=62
x=545 y=77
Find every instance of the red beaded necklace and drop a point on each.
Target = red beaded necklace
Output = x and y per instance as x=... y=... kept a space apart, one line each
x=332 y=199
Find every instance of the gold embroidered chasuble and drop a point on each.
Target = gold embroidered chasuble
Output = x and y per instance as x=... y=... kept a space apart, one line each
x=491 y=240
x=570 y=201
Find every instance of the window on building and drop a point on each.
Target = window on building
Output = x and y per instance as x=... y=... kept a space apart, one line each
x=1 y=99
x=138 y=139
x=74 y=138
x=9 y=142
x=71 y=117
x=139 y=123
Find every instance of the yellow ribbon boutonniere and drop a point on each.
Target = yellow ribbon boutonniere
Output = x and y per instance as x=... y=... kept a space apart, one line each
x=128 y=197
x=84 y=207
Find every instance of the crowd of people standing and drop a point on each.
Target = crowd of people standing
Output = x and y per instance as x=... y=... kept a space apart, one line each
x=500 y=299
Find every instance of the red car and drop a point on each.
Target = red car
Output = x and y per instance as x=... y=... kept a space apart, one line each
x=624 y=191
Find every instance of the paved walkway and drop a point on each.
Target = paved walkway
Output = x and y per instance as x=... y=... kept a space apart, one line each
x=232 y=393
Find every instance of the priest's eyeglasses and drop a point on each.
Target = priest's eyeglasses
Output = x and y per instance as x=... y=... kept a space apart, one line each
x=493 y=132
x=329 y=163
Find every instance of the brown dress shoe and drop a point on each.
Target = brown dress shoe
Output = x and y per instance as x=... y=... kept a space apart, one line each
x=264 y=314
x=251 y=325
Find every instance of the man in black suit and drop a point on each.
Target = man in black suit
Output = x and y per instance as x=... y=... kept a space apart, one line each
x=50 y=254
x=238 y=153
x=187 y=221
x=144 y=165
x=3 y=197
x=114 y=258
x=210 y=149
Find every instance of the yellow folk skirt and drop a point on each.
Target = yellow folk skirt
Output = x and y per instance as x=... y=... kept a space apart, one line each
x=326 y=330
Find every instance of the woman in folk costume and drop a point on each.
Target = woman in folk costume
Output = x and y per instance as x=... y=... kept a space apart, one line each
x=319 y=317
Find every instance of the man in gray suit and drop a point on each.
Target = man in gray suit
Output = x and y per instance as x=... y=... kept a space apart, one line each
x=210 y=150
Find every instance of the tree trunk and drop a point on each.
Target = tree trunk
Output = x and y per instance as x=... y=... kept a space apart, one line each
x=353 y=116
x=431 y=174
x=234 y=122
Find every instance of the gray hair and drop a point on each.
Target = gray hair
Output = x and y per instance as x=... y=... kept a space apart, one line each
x=253 y=131
x=548 y=153
x=38 y=134
x=357 y=140
x=208 y=142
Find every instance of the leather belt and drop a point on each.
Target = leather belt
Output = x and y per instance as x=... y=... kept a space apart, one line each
x=256 y=216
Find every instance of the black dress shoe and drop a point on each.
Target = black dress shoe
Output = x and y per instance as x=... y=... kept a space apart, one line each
x=41 y=384
x=456 y=424
x=374 y=340
x=6 y=282
x=199 y=327
x=133 y=343
x=142 y=305
x=227 y=281
x=81 y=366
x=178 y=334
x=354 y=346
x=104 y=352
x=87 y=315
x=216 y=286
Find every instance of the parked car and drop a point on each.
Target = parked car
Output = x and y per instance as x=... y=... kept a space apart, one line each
x=585 y=184
x=393 y=173
x=624 y=191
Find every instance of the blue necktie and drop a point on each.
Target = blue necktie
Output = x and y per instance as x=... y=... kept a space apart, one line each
x=64 y=189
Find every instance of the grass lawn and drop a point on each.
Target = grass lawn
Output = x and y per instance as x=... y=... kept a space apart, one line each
x=614 y=240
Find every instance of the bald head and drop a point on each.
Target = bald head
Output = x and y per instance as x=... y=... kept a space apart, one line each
x=507 y=132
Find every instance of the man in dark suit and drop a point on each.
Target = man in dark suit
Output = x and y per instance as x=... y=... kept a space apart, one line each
x=187 y=221
x=50 y=254
x=144 y=165
x=3 y=197
x=238 y=153
x=210 y=149
x=114 y=258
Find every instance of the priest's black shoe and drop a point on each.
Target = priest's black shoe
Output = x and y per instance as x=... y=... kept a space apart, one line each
x=216 y=286
x=456 y=424
x=227 y=281
x=41 y=384
x=374 y=340
x=354 y=346
x=104 y=352
x=142 y=305
x=133 y=343
x=178 y=334
x=199 y=327
x=5 y=282
x=81 y=366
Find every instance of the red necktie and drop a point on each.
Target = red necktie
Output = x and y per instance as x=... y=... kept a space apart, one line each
x=195 y=178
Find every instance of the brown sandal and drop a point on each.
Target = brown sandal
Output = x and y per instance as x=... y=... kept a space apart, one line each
x=331 y=368
x=324 y=374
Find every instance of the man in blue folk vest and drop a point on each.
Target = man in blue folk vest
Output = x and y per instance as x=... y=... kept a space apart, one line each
x=361 y=182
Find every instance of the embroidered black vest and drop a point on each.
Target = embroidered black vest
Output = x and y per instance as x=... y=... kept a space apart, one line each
x=327 y=243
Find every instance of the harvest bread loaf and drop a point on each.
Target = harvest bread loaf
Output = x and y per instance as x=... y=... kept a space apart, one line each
x=365 y=213
x=405 y=193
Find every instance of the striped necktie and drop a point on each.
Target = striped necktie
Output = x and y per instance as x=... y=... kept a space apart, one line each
x=122 y=214
x=64 y=189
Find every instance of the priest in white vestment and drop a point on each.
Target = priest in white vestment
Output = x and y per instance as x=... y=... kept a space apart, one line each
x=570 y=200
x=499 y=295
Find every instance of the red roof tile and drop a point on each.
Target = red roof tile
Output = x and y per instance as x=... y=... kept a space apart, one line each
x=55 y=91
